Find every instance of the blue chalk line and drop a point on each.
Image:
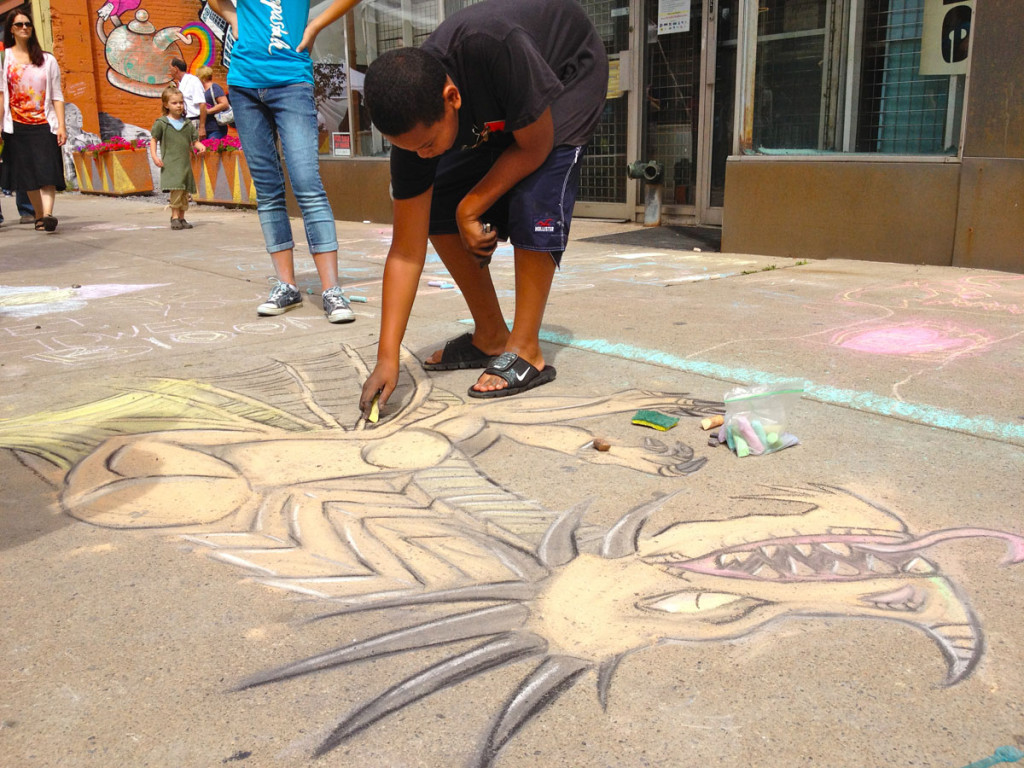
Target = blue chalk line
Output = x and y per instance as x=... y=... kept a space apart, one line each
x=1002 y=755
x=860 y=401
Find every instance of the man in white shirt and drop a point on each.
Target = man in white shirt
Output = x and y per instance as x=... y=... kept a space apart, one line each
x=192 y=89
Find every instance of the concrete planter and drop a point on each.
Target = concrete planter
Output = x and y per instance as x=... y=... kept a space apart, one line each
x=120 y=172
x=223 y=179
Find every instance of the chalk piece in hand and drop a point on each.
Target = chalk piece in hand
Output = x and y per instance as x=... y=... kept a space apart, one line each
x=712 y=422
x=375 y=409
x=601 y=445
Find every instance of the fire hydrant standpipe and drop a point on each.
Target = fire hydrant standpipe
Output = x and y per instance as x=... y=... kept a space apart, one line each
x=652 y=173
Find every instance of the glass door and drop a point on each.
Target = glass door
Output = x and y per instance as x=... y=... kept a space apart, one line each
x=687 y=109
x=720 y=88
x=605 y=192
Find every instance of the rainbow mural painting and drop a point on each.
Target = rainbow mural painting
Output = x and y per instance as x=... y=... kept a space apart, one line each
x=199 y=32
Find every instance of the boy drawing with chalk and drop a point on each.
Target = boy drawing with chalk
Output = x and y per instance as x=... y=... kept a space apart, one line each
x=488 y=121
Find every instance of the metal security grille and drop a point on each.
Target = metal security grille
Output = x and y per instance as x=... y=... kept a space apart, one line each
x=403 y=22
x=900 y=110
x=603 y=173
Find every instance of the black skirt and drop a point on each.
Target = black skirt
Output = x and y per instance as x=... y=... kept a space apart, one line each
x=32 y=159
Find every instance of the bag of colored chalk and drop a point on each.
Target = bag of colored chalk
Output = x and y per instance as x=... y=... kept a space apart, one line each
x=756 y=418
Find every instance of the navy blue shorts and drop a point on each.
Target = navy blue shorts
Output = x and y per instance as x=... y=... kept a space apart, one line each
x=535 y=214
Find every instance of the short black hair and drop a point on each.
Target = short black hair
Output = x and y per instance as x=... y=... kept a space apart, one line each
x=179 y=64
x=404 y=88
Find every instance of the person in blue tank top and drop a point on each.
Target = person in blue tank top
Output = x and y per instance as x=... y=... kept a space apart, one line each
x=271 y=83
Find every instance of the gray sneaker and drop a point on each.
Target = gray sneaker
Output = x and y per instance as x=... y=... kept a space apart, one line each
x=336 y=306
x=282 y=298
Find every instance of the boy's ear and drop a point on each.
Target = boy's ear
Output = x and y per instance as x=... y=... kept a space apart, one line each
x=451 y=95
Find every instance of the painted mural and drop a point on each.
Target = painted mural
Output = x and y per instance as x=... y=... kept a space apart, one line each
x=260 y=470
x=139 y=55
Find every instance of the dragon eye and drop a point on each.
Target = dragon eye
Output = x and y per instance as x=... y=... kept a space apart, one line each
x=714 y=607
x=694 y=602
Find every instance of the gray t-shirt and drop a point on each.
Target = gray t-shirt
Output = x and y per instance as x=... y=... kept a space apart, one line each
x=511 y=60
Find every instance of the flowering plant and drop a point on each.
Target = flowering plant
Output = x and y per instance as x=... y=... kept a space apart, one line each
x=114 y=144
x=227 y=144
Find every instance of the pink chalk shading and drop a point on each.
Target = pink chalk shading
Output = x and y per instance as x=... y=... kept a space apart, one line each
x=910 y=340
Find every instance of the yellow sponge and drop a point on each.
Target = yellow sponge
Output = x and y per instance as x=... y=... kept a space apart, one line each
x=655 y=420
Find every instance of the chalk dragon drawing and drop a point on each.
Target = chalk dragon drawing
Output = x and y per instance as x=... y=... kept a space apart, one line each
x=399 y=516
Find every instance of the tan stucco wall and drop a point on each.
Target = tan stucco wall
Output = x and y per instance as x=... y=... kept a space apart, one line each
x=359 y=189
x=877 y=211
x=990 y=225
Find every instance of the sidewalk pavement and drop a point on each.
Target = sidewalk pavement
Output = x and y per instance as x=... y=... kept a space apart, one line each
x=209 y=558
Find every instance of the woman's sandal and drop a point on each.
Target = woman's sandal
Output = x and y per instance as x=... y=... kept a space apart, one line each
x=40 y=225
x=49 y=223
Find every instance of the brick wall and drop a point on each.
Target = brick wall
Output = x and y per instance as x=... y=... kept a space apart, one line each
x=114 y=72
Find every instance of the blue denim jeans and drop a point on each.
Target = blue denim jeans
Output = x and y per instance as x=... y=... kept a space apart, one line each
x=22 y=202
x=262 y=116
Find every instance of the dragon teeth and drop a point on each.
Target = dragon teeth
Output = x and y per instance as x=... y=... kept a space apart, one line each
x=839 y=568
x=876 y=565
x=918 y=565
x=800 y=569
x=837 y=548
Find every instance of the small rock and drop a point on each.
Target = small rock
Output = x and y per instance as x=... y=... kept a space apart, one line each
x=601 y=445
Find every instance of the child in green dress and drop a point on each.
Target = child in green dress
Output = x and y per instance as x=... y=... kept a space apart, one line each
x=177 y=138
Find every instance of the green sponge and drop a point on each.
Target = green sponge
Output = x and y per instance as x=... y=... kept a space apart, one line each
x=655 y=420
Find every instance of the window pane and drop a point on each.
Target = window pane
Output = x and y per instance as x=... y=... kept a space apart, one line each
x=804 y=74
x=901 y=111
x=788 y=87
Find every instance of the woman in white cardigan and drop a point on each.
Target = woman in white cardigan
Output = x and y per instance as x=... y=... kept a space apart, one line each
x=33 y=119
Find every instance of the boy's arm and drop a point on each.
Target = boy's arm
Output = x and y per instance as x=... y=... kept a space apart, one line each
x=325 y=18
x=402 y=272
x=533 y=143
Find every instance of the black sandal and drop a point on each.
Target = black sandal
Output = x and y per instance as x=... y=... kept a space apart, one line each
x=49 y=223
x=40 y=225
x=460 y=353
x=519 y=375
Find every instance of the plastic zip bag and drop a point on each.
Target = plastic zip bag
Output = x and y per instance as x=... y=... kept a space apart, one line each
x=756 y=418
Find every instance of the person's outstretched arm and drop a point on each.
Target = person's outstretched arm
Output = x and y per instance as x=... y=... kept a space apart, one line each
x=325 y=18
x=533 y=143
x=226 y=11
x=402 y=272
